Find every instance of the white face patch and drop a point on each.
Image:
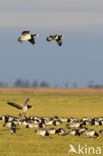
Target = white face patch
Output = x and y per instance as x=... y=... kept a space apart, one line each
x=37 y=35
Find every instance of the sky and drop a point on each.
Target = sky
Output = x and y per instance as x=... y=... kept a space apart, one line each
x=79 y=59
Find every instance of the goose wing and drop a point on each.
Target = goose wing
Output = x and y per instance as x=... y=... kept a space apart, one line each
x=26 y=102
x=19 y=106
x=25 y=32
x=32 y=41
x=59 y=41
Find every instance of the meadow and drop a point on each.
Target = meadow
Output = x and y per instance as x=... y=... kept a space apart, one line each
x=49 y=102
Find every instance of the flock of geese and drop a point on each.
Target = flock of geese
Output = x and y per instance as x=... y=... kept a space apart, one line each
x=26 y=36
x=46 y=126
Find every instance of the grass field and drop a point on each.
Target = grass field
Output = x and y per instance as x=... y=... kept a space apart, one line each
x=48 y=102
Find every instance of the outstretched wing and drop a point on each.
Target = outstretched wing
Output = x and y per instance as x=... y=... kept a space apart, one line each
x=25 y=32
x=26 y=102
x=19 y=106
x=32 y=41
x=59 y=41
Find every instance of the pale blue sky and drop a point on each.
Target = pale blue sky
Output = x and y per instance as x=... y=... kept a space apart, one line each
x=80 y=58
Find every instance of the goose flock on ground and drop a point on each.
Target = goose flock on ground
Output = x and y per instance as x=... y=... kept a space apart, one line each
x=48 y=126
x=26 y=36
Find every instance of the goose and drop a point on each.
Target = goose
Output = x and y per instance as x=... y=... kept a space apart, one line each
x=4 y=118
x=57 y=122
x=18 y=122
x=97 y=119
x=96 y=123
x=74 y=125
x=30 y=125
x=12 y=130
x=42 y=125
x=9 y=124
x=82 y=130
x=56 y=37
x=100 y=118
x=85 y=119
x=86 y=122
x=91 y=133
x=35 y=119
x=49 y=123
x=52 y=131
x=101 y=123
x=72 y=120
x=42 y=132
x=63 y=119
x=60 y=131
x=24 y=107
x=26 y=36
x=74 y=132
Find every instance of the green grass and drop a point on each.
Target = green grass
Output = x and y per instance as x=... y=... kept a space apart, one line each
x=26 y=143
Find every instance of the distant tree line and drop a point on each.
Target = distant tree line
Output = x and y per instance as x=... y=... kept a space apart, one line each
x=3 y=84
x=35 y=84
x=91 y=84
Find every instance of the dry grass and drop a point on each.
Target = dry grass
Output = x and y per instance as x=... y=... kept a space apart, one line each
x=75 y=91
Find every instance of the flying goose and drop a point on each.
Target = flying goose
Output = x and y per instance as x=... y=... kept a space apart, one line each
x=26 y=36
x=24 y=107
x=56 y=37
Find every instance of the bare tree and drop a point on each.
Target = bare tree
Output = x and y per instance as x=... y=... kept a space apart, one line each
x=66 y=85
x=44 y=84
x=35 y=84
x=75 y=85
x=3 y=84
x=21 y=83
x=90 y=84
